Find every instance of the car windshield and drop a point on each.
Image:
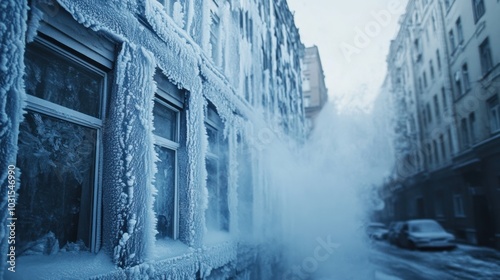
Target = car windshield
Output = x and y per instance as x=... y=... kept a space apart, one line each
x=426 y=227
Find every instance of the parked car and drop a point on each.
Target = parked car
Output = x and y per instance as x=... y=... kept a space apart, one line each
x=393 y=234
x=418 y=234
x=377 y=231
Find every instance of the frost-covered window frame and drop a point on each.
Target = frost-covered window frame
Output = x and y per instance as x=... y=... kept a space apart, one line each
x=73 y=52
x=165 y=101
x=215 y=26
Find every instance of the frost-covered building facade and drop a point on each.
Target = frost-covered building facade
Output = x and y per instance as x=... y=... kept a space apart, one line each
x=444 y=69
x=133 y=134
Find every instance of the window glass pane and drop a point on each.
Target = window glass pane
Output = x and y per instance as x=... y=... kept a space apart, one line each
x=213 y=140
x=52 y=77
x=213 y=194
x=165 y=198
x=165 y=122
x=57 y=160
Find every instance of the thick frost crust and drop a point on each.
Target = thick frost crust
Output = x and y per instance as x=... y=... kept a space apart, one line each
x=127 y=181
x=13 y=18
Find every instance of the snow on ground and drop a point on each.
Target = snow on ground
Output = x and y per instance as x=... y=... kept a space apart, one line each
x=465 y=262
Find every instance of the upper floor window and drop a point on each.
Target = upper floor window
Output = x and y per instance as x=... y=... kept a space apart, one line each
x=494 y=114
x=438 y=60
x=460 y=31
x=431 y=67
x=465 y=77
x=217 y=213
x=436 y=106
x=59 y=150
x=458 y=84
x=485 y=56
x=451 y=36
x=444 y=99
x=478 y=8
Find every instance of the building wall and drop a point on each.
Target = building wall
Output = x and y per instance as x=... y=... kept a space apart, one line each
x=142 y=133
x=451 y=165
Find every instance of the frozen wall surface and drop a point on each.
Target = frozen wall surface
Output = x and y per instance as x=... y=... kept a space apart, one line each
x=141 y=151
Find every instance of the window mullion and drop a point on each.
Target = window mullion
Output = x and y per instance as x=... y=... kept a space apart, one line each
x=54 y=110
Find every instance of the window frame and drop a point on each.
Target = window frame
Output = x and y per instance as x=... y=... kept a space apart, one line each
x=465 y=78
x=451 y=38
x=164 y=99
x=78 y=53
x=460 y=31
x=485 y=56
x=478 y=13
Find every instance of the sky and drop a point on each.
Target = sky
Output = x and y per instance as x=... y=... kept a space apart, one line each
x=353 y=38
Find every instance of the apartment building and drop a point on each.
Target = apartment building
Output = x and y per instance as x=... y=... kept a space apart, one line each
x=132 y=134
x=444 y=69
x=313 y=85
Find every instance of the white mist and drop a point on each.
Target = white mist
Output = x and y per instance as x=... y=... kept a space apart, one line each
x=325 y=190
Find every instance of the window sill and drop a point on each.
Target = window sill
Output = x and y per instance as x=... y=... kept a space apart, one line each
x=67 y=265
x=169 y=248
x=217 y=237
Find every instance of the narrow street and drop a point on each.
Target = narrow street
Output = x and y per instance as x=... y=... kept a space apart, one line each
x=465 y=262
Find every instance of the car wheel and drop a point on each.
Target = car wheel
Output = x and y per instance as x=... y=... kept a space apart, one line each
x=411 y=245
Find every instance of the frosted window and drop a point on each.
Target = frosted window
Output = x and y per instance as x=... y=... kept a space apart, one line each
x=165 y=122
x=213 y=140
x=51 y=76
x=217 y=213
x=166 y=128
x=212 y=182
x=165 y=198
x=57 y=160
